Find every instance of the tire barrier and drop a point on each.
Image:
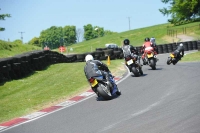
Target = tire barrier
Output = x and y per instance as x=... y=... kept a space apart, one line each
x=194 y=43
x=165 y=48
x=22 y=65
x=174 y=45
x=169 y=47
x=185 y=45
x=198 y=45
x=190 y=45
x=160 y=49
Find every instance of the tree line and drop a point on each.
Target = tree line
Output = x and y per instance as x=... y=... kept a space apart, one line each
x=182 y=11
x=55 y=37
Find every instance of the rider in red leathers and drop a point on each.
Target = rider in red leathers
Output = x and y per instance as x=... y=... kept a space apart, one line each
x=147 y=46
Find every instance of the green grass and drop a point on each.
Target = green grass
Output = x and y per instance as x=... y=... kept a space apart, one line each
x=8 y=49
x=45 y=88
x=191 y=57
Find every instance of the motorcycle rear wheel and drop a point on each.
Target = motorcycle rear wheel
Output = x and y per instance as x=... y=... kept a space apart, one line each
x=153 y=64
x=135 y=72
x=105 y=95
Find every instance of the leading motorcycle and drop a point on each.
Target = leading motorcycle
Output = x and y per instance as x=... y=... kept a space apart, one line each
x=106 y=88
x=136 y=68
x=150 y=58
x=173 y=58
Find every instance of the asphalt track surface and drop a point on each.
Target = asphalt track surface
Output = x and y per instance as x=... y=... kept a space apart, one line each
x=166 y=100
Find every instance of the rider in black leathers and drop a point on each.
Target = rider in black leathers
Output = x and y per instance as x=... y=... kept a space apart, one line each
x=179 y=51
x=129 y=50
x=97 y=68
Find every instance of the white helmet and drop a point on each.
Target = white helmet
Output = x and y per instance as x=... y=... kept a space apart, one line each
x=88 y=57
x=181 y=45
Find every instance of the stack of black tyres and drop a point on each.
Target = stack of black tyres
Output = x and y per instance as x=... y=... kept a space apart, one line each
x=174 y=46
x=4 y=70
x=71 y=58
x=110 y=53
x=185 y=45
x=80 y=57
x=160 y=49
x=98 y=54
x=194 y=43
x=117 y=53
x=169 y=47
x=198 y=45
x=190 y=45
x=165 y=48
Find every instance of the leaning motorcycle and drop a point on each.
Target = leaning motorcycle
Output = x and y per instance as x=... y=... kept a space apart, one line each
x=132 y=63
x=150 y=58
x=173 y=58
x=105 y=88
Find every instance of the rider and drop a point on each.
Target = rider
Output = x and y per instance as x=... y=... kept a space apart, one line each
x=146 y=44
x=97 y=68
x=153 y=41
x=179 y=51
x=130 y=51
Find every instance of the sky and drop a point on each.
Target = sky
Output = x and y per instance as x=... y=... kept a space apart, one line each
x=30 y=17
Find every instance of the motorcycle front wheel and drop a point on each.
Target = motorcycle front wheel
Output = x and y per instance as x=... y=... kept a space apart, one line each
x=169 y=60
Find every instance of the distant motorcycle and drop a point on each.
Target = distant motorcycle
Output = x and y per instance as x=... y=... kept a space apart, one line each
x=105 y=87
x=173 y=58
x=150 y=58
x=136 y=69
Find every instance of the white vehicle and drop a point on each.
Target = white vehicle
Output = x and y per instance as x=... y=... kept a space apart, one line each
x=111 y=45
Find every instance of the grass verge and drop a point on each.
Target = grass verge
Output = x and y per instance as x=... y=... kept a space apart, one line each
x=45 y=88
x=191 y=57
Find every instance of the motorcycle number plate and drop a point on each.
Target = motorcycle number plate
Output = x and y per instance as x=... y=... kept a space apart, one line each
x=171 y=55
x=130 y=62
x=149 y=55
x=94 y=83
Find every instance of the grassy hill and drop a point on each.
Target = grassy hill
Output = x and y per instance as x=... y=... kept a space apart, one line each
x=59 y=82
x=136 y=36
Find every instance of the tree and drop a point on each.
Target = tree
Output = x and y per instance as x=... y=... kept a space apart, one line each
x=18 y=42
x=98 y=32
x=51 y=37
x=35 y=41
x=69 y=33
x=181 y=10
x=88 y=32
x=2 y=17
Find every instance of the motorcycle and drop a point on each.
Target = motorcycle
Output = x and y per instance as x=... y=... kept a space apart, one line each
x=150 y=58
x=106 y=88
x=132 y=63
x=173 y=58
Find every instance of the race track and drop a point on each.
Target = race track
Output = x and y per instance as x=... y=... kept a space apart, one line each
x=165 y=100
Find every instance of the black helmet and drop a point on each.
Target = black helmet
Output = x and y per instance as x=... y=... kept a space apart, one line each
x=146 y=39
x=126 y=42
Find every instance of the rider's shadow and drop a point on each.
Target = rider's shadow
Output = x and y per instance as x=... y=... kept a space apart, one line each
x=102 y=99
x=155 y=69
x=139 y=76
